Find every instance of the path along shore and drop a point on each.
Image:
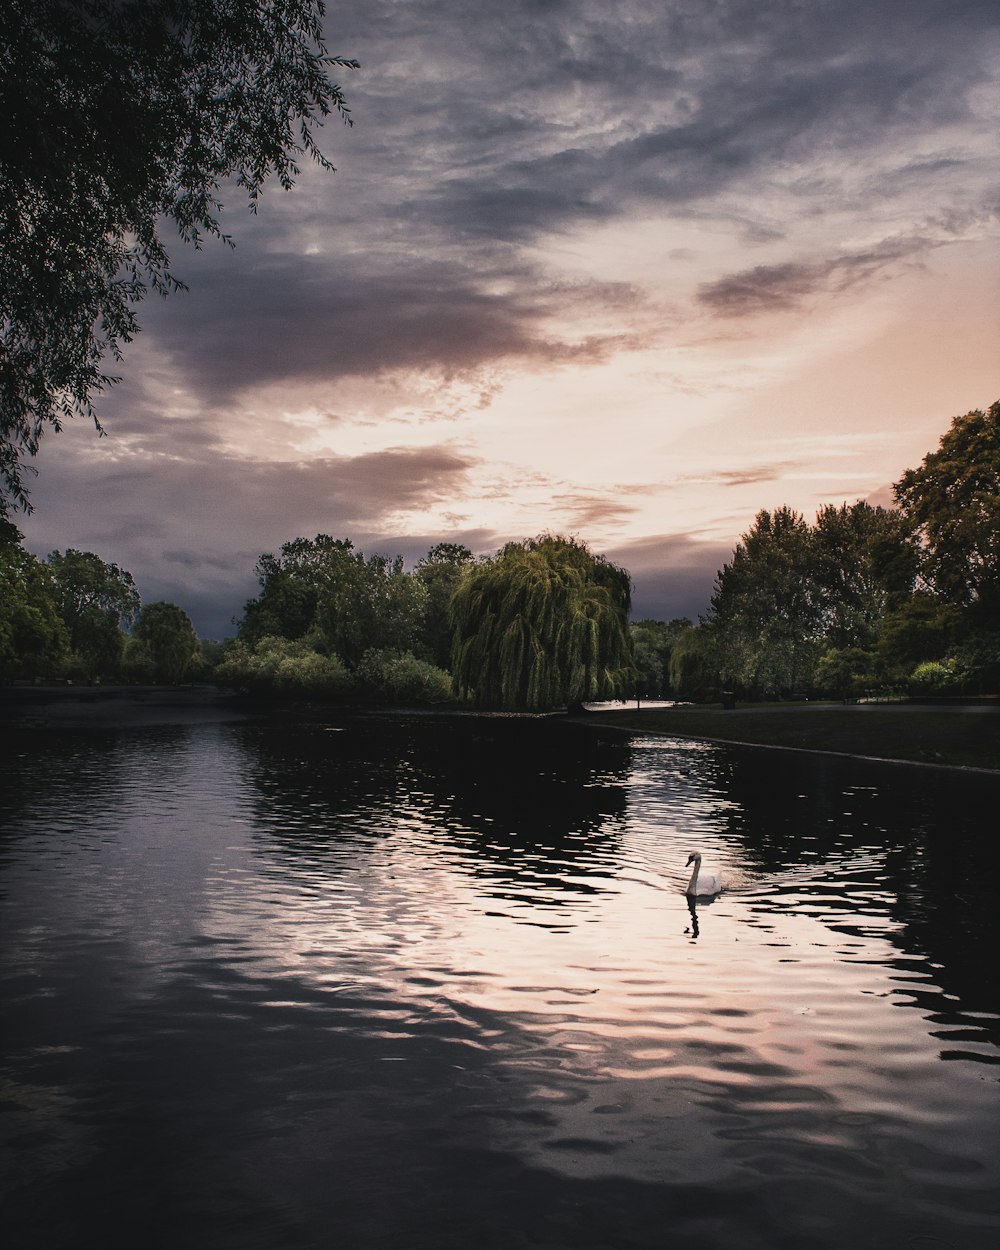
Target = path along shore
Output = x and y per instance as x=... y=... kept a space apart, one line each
x=956 y=735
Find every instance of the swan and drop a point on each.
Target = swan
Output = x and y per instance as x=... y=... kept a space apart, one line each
x=702 y=885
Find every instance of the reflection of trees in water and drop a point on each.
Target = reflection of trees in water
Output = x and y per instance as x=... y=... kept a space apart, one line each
x=517 y=798
x=924 y=837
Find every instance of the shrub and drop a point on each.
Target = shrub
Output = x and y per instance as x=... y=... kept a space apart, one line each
x=389 y=674
x=282 y=666
x=937 y=677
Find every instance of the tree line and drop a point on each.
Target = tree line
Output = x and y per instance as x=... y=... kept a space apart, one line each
x=902 y=598
x=905 y=598
x=75 y=617
x=543 y=623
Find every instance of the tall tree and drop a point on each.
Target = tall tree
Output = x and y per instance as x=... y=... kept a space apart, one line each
x=119 y=115
x=324 y=589
x=765 y=608
x=33 y=638
x=290 y=585
x=370 y=604
x=952 y=503
x=164 y=637
x=543 y=624
x=440 y=571
x=97 y=601
x=862 y=563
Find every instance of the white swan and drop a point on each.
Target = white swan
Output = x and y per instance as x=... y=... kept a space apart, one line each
x=702 y=885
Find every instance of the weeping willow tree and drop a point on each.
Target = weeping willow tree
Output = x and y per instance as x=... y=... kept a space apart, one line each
x=542 y=624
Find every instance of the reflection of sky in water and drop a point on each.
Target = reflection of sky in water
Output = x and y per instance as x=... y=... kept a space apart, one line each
x=418 y=886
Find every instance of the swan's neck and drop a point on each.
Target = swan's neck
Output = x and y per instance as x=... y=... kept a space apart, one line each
x=693 y=883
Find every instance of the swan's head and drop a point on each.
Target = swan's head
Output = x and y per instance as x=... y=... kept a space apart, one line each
x=694 y=857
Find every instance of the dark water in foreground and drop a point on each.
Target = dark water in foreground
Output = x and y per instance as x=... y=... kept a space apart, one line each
x=427 y=983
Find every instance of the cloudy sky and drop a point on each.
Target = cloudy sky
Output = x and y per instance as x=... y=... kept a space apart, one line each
x=629 y=271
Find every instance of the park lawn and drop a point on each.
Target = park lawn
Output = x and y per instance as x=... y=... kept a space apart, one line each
x=963 y=736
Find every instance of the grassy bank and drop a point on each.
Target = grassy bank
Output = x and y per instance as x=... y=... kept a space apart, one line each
x=963 y=736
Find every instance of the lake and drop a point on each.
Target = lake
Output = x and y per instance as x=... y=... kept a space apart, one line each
x=433 y=982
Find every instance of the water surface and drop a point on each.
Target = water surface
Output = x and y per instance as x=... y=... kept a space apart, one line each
x=434 y=982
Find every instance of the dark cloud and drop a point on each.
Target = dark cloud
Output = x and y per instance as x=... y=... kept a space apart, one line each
x=191 y=531
x=479 y=132
x=484 y=136
x=257 y=319
x=590 y=509
x=672 y=574
x=778 y=288
x=547 y=116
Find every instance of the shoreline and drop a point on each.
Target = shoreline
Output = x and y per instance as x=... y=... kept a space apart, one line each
x=955 y=737
x=950 y=736
x=117 y=707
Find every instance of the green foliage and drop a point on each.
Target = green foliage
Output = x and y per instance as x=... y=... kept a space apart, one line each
x=862 y=562
x=95 y=600
x=207 y=659
x=34 y=641
x=440 y=572
x=795 y=593
x=937 y=677
x=845 y=672
x=542 y=625
x=282 y=666
x=164 y=638
x=952 y=503
x=329 y=621
x=401 y=676
x=138 y=663
x=370 y=603
x=652 y=646
x=922 y=628
x=120 y=115
x=324 y=587
x=694 y=664
x=291 y=583
x=766 y=610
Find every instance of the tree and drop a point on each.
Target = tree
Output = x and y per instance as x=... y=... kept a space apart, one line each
x=96 y=601
x=163 y=637
x=652 y=644
x=440 y=571
x=765 y=608
x=33 y=639
x=291 y=583
x=952 y=503
x=845 y=672
x=862 y=562
x=924 y=628
x=694 y=666
x=371 y=603
x=120 y=115
x=543 y=624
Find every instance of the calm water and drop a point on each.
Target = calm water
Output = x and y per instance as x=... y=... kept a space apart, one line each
x=434 y=983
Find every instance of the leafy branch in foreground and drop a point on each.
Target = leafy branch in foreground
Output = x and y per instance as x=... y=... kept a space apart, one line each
x=119 y=115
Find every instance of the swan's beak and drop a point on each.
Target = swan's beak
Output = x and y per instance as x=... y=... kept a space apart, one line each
x=690 y=860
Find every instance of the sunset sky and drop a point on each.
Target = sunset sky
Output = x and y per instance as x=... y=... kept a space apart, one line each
x=629 y=271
